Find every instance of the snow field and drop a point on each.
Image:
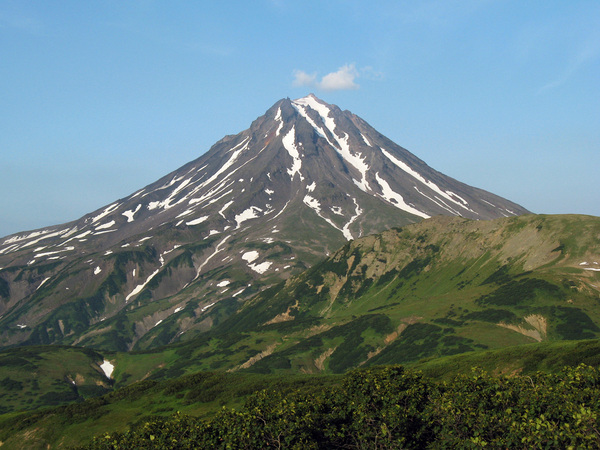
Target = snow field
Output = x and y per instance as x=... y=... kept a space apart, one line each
x=107 y=368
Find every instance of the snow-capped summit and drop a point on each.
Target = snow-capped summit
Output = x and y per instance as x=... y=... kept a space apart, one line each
x=257 y=207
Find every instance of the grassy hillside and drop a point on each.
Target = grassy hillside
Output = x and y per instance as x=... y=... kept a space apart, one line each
x=512 y=296
x=34 y=377
x=442 y=287
x=199 y=395
x=204 y=394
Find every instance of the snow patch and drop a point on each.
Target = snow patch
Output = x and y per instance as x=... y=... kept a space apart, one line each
x=23 y=237
x=223 y=283
x=41 y=284
x=97 y=270
x=280 y=212
x=430 y=184
x=250 y=256
x=357 y=213
x=197 y=221
x=129 y=214
x=139 y=287
x=84 y=234
x=278 y=119
x=41 y=235
x=107 y=368
x=262 y=267
x=289 y=144
x=109 y=209
x=396 y=199
x=40 y=255
x=218 y=248
x=103 y=232
x=225 y=206
x=593 y=269
x=343 y=148
x=187 y=212
x=314 y=204
x=250 y=213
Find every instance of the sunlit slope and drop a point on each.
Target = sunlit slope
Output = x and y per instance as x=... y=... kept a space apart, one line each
x=442 y=287
x=204 y=394
x=439 y=287
x=35 y=377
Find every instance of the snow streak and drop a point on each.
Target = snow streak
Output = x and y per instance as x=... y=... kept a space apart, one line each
x=430 y=184
x=289 y=143
x=342 y=147
x=396 y=199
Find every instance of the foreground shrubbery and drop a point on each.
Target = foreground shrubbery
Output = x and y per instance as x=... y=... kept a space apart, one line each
x=389 y=407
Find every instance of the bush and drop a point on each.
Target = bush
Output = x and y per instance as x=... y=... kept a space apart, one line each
x=389 y=407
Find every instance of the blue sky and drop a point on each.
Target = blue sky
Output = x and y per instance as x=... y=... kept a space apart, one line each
x=100 y=98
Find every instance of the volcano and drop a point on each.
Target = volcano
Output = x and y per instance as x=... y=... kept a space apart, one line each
x=177 y=257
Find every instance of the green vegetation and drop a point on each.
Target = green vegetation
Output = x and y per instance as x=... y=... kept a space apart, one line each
x=201 y=395
x=390 y=407
x=34 y=377
x=204 y=394
x=445 y=295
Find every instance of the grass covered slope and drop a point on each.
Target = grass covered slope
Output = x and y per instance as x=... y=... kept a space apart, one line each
x=204 y=394
x=440 y=287
x=380 y=407
x=199 y=395
x=389 y=407
x=34 y=377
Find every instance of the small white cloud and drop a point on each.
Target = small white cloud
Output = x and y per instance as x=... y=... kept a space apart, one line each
x=302 y=78
x=343 y=79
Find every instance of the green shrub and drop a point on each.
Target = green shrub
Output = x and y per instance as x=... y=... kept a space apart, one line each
x=390 y=407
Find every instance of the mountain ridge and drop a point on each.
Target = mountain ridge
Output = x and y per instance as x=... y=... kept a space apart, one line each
x=182 y=253
x=441 y=287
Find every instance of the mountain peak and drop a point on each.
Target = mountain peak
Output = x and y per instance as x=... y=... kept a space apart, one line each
x=309 y=96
